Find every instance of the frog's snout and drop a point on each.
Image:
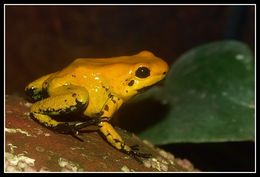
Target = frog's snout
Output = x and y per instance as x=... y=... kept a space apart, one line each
x=163 y=72
x=161 y=68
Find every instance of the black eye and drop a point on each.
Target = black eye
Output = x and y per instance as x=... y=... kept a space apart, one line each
x=142 y=72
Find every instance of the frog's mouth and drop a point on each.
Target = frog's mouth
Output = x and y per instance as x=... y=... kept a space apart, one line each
x=150 y=86
x=145 y=88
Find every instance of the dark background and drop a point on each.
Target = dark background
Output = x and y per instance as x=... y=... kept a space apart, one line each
x=43 y=39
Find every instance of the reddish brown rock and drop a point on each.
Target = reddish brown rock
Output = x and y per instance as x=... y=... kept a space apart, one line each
x=32 y=147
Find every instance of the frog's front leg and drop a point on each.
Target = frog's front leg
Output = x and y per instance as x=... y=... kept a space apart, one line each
x=110 y=133
x=62 y=100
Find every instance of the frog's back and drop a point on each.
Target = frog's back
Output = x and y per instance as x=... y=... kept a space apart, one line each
x=142 y=57
x=83 y=71
x=97 y=63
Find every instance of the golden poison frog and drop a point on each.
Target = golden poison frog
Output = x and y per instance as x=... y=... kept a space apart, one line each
x=97 y=88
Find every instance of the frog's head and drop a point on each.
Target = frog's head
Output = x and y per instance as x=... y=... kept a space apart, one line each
x=145 y=70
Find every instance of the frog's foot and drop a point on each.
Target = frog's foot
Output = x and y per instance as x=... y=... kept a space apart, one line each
x=115 y=140
x=134 y=152
x=69 y=128
x=73 y=128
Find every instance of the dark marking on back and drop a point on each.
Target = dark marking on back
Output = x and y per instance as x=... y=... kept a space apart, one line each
x=131 y=83
x=106 y=108
x=110 y=95
x=105 y=88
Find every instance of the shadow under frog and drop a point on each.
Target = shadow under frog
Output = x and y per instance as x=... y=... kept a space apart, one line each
x=138 y=116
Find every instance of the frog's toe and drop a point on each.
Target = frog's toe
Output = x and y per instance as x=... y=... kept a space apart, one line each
x=134 y=152
x=74 y=127
x=135 y=147
x=92 y=121
x=66 y=128
x=69 y=128
x=139 y=155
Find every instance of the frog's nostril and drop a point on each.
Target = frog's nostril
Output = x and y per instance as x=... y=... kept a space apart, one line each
x=164 y=72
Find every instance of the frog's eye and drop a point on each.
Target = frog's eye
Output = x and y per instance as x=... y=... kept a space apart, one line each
x=142 y=72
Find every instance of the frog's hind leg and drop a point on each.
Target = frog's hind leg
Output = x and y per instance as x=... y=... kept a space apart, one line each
x=34 y=90
x=115 y=140
x=62 y=100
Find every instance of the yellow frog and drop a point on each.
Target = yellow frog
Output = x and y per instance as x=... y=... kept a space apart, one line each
x=97 y=88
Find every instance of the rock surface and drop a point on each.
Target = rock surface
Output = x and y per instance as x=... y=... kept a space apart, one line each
x=31 y=147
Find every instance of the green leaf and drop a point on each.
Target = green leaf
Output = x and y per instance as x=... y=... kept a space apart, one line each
x=210 y=92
